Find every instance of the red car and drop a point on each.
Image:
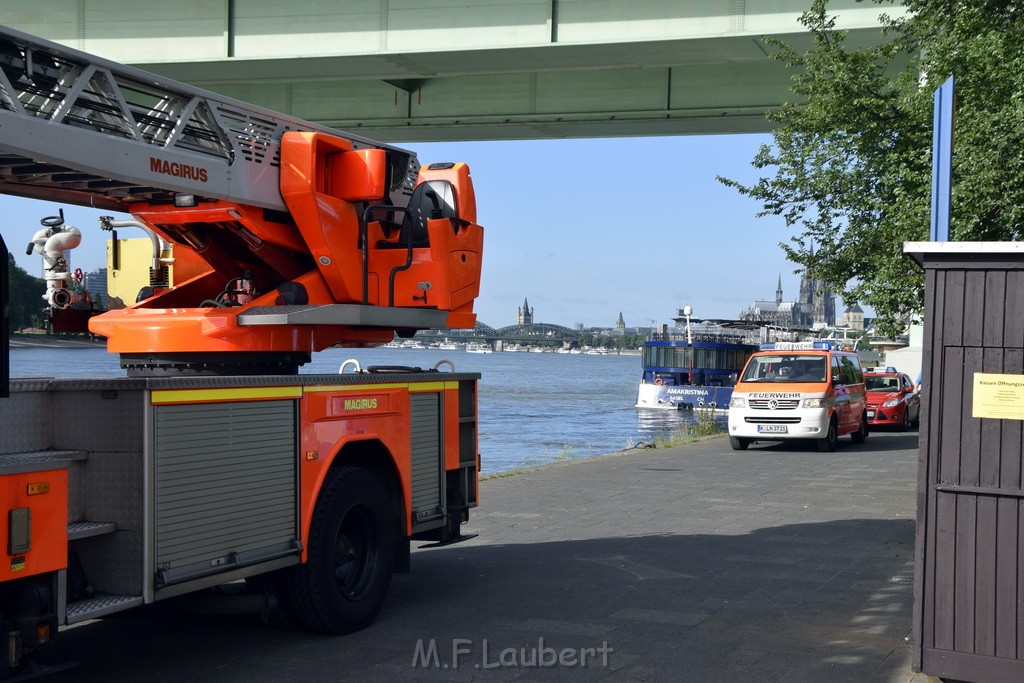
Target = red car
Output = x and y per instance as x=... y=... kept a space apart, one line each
x=892 y=399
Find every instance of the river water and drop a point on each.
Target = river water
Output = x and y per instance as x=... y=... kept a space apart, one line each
x=535 y=408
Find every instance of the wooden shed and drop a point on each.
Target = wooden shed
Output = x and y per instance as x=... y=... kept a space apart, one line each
x=969 y=572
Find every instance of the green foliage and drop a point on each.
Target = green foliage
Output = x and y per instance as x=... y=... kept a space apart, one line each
x=852 y=153
x=627 y=341
x=25 y=294
x=705 y=425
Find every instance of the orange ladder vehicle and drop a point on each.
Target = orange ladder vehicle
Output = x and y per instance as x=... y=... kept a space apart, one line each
x=214 y=460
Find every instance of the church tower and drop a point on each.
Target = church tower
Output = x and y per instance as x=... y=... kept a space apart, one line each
x=778 y=291
x=817 y=302
x=620 y=324
x=525 y=314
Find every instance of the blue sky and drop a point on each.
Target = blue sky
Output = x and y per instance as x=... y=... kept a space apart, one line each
x=584 y=229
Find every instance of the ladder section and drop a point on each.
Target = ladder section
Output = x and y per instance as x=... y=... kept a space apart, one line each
x=81 y=129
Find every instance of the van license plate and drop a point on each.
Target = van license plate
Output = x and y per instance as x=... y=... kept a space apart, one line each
x=772 y=429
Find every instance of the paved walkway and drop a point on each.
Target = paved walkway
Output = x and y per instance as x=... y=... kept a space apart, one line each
x=694 y=563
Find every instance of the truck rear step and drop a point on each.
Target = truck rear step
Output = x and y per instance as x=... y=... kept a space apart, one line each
x=99 y=606
x=37 y=461
x=79 y=530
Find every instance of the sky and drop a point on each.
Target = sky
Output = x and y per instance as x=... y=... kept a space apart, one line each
x=583 y=229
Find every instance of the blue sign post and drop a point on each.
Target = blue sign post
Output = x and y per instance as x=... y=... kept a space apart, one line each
x=942 y=162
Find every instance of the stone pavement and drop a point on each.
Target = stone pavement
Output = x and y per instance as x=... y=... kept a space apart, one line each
x=693 y=563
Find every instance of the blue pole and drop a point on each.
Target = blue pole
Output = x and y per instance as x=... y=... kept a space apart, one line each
x=942 y=161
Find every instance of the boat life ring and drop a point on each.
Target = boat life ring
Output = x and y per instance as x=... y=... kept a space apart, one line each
x=659 y=381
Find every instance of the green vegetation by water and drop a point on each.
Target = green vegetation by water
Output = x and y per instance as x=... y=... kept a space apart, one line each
x=705 y=425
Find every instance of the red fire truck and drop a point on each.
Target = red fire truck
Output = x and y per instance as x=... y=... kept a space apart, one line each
x=213 y=460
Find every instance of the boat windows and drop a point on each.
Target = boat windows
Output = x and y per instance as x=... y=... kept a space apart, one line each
x=686 y=357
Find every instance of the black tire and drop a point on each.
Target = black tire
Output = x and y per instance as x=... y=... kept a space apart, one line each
x=861 y=435
x=738 y=444
x=828 y=443
x=905 y=424
x=351 y=555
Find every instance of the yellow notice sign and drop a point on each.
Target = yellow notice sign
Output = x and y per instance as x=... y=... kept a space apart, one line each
x=998 y=396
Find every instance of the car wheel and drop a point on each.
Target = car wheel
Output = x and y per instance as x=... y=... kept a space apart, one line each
x=861 y=435
x=828 y=443
x=738 y=444
x=905 y=424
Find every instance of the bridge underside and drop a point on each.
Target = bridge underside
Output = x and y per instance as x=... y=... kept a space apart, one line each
x=675 y=87
x=400 y=70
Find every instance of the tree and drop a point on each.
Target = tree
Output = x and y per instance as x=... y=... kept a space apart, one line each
x=852 y=153
x=25 y=291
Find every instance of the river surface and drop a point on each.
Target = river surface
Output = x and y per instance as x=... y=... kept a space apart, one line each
x=535 y=408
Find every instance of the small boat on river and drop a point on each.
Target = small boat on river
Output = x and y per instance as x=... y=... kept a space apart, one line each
x=694 y=365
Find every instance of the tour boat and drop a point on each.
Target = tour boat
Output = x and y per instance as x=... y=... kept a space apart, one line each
x=694 y=366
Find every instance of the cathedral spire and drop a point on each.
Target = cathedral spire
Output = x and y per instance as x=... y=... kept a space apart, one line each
x=778 y=291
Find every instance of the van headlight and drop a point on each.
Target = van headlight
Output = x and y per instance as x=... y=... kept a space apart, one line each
x=738 y=403
x=812 y=403
x=892 y=403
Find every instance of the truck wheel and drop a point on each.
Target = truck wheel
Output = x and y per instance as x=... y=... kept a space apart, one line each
x=861 y=435
x=828 y=444
x=738 y=444
x=351 y=554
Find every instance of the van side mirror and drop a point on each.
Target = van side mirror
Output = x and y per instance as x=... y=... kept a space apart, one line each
x=733 y=378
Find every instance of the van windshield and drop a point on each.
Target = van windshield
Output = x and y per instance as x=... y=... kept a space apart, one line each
x=786 y=368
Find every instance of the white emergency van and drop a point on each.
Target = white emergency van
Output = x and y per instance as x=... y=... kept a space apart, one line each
x=799 y=390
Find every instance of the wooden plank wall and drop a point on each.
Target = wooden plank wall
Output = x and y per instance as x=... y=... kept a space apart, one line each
x=969 y=616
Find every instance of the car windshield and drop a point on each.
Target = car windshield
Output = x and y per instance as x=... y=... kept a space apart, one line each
x=786 y=368
x=882 y=383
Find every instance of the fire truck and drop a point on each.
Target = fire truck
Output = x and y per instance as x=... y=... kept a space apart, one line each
x=213 y=460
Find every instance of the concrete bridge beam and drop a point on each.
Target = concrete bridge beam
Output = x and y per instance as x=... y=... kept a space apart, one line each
x=405 y=70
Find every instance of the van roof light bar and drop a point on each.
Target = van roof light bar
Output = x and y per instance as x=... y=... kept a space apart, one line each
x=819 y=345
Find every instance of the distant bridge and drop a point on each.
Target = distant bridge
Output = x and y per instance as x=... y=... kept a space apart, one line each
x=512 y=333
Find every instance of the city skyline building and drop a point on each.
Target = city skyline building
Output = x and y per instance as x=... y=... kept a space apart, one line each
x=853 y=317
x=815 y=307
x=95 y=282
x=524 y=316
